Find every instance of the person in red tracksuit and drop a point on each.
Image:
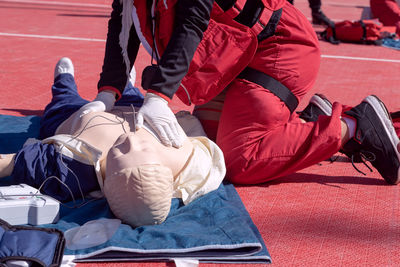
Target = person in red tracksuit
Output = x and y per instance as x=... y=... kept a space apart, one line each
x=387 y=11
x=257 y=59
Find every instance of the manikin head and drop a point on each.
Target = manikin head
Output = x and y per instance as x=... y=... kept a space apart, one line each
x=139 y=180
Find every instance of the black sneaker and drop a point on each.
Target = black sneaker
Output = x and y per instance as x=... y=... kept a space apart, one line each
x=318 y=105
x=319 y=18
x=375 y=139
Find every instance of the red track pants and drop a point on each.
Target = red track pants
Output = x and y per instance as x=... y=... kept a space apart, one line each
x=260 y=139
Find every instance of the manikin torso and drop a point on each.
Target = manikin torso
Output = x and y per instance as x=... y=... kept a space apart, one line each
x=102 y=129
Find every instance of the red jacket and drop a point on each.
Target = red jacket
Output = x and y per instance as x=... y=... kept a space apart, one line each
x=387 y=11
x=219 y=51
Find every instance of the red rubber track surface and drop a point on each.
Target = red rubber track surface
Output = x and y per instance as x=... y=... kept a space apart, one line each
x=325 y=215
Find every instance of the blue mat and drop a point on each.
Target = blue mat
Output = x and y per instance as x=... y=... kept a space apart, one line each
x=391 y=43
x=214 y=228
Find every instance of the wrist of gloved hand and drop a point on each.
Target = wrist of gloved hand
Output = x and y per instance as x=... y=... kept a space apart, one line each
x=150 y=96
x=104 y=101
x=153 y=92
x=107 y=98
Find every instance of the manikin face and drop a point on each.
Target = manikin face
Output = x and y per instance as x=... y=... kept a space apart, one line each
x=137 y=185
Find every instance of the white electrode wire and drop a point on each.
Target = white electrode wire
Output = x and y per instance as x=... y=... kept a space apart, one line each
x=71 y=171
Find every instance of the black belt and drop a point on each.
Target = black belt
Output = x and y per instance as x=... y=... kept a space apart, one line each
x=364 y=30
x=272 y=85
x=250 y=14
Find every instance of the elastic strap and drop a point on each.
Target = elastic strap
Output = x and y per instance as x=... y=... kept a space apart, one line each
x=250 y=14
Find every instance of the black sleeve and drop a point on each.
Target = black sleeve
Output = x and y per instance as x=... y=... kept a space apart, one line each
x=192 y=18
x=114 y=69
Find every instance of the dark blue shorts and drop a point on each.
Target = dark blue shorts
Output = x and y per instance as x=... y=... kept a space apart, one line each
x=41 y=166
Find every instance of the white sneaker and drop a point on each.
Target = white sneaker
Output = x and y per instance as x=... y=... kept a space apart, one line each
x=64 y=65
x=318 y=105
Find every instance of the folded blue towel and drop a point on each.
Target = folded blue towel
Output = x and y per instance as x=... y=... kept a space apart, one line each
x=214 y=228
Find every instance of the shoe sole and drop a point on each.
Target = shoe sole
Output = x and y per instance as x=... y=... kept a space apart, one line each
x=322 y=103
x=384 y=117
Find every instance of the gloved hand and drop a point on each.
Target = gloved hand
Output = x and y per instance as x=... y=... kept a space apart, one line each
x=160 y=117
x=104 y=101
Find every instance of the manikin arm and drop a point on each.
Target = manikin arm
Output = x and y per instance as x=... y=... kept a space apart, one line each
x=6 y=164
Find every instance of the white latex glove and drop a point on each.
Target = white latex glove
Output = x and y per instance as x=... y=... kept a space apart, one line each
x=160 y=117
x=104 y=101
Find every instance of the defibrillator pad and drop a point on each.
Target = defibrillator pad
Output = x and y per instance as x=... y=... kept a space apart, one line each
x=37 y=247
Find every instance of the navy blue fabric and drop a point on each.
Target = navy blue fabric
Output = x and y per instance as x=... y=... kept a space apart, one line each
x=16 y=244
x=64 y=103
x=36 y=162
x=130 y=96
x=2 y=231
x=66 y=100
x=19 y=243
